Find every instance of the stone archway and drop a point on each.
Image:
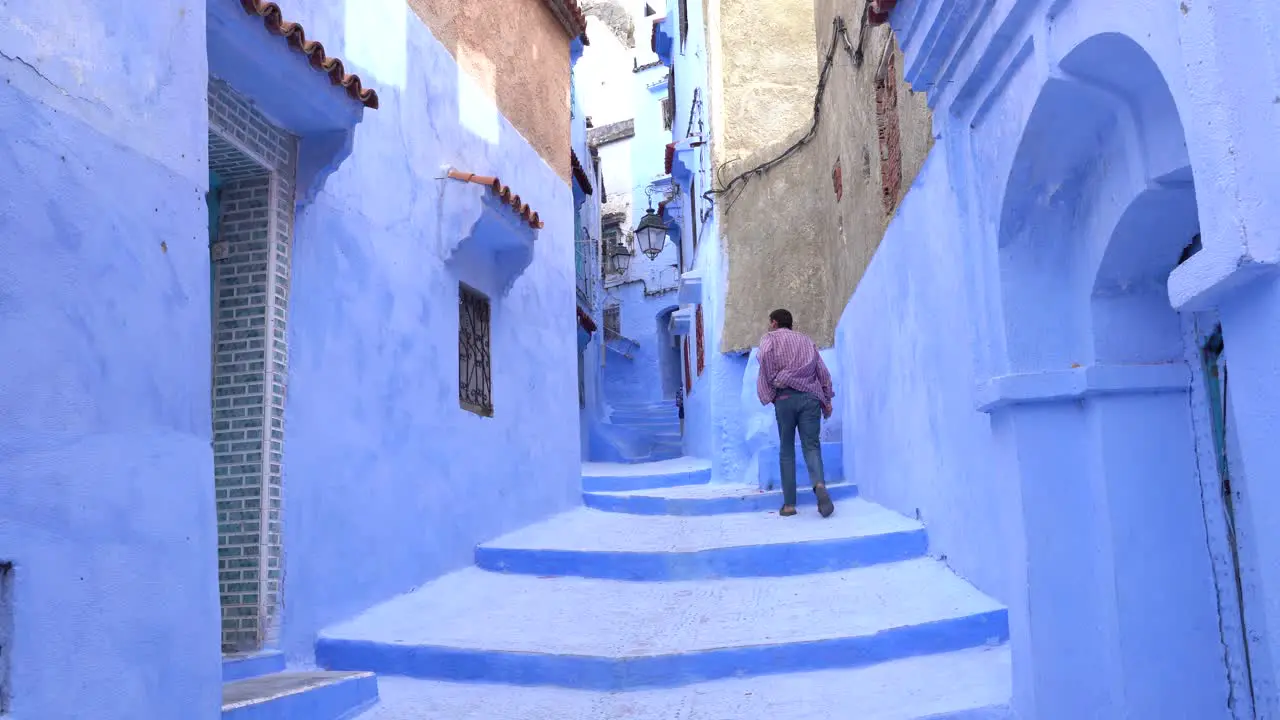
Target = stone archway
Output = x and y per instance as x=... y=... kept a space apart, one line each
x=1120 y=616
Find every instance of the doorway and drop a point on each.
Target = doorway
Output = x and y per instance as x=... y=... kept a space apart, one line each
x=251 y=204
x=669 y=363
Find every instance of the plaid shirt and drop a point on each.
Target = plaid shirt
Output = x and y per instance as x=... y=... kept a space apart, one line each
x=789 y=359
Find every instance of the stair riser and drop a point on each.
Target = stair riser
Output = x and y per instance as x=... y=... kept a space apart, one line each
x=617 y=483
x=774 y=560
x=697 y=507
x=339 y=701
x=616 y=674
x=997 y=712
x=264 y=663
x=655 y=424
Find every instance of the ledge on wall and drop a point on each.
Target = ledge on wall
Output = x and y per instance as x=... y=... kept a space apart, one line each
x=690 y=288
x=499 y=245
x=292 y=81
x=664 y=39
x=1079 y=383
x=684 y=161
x=682 y=321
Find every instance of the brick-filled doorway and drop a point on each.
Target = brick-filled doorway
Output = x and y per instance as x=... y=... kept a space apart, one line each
x=252 y=168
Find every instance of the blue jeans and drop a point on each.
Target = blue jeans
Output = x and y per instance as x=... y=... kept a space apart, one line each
x=798 y=411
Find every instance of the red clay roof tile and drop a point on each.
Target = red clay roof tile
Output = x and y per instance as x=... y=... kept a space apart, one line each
x=504 y=193
x=585 y=321
x=314 y=51
x=580 y=174
x=570 y=16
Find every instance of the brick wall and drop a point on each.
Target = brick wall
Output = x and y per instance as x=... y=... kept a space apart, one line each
x=890 y=133
x=257 y=165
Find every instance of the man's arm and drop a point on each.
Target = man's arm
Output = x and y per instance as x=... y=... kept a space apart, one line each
x=764 y=383
x=824 y=377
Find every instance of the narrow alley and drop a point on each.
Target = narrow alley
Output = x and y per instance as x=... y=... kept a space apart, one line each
x=668 y=597
x=639 y=360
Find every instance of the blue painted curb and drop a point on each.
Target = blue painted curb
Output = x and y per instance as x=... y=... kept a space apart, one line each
x=337 y=701
x=252 y=666
x=675 y=670
x=772 y=560
x=691 y=507
x=614 y=483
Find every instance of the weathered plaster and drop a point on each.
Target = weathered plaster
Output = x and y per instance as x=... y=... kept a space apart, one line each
x=769 y=72
x=771 y=247
x=851 y=226
x=517 y=53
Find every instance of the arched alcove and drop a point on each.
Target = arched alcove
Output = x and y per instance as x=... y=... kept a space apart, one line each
x=1120 y=614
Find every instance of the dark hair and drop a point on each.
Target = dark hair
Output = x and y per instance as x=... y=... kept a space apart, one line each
x=782 y=317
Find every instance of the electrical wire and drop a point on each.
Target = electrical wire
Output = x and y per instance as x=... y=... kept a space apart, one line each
x=839 y=32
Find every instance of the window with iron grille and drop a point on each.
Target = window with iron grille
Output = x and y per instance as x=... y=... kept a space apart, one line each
x=475 y=369
x=888 y=130
x=668 y=114
x=613 y=319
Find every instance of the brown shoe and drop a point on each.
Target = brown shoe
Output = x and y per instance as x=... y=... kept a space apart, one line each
x=825 y=506
x=787 y=510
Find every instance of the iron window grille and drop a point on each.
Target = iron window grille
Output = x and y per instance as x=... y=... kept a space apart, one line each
x=668 y=114
x=613 y=319
x=475 y=368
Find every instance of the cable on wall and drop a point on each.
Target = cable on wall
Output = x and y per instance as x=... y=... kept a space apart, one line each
x=839 y=32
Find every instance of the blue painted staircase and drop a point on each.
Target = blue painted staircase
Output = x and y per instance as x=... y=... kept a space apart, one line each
x=666 y=596
x=643 y=431
x=257 y=686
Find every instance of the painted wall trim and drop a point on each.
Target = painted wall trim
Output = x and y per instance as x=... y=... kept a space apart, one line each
x=681 y=321
x=1200 y=283
x=690 y=288
x=1079 y=383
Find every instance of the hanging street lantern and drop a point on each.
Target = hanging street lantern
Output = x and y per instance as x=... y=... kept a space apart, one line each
x=619 y=258
x=651 y=234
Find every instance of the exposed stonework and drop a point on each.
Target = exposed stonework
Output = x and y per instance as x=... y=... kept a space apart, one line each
x=858 y=113
x=256 y=163
x=615 y=17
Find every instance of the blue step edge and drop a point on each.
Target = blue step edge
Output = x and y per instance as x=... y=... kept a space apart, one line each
x=616 y=483
x=251 y=665
x=695 y=507
x=611 y=674
x=770 y=468
x=339 y=699
x=768 y=560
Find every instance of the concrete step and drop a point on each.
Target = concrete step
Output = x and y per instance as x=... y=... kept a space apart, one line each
x=770 y=471
x=969 y=684
x=609 y=635
x=595 y=544
x=294 y=695
x=667 y=472
x=647 y=423
x=706 y=499
x=242 y=666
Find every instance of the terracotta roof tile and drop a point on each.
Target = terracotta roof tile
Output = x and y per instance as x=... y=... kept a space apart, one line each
x=504 y=193
x=585 y=321
x=570 y=16
x=314 y=51
x=671 y=156
x=580 y=174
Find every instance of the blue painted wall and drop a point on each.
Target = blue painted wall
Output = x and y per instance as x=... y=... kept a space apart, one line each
x=378 y=453
x=648 y=290
x=106 y=468
x=105 y=460
x=1036 y=397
